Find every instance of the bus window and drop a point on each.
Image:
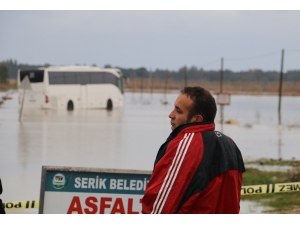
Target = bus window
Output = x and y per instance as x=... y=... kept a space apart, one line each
x=70 y=78
x=82 y=78
x=35 y=76
x=111 y=79
x=96 y=77
x=56 y=78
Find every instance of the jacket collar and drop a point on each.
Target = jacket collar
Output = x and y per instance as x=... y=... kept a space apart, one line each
x=192 y=127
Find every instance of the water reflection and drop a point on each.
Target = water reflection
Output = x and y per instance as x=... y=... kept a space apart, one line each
x=69 y=138
x=252 y=207
x=279 y=142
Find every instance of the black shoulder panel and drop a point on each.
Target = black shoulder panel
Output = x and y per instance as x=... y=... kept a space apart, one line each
x=220 y=154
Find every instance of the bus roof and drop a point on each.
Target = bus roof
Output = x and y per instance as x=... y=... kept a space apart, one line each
x=82 y=68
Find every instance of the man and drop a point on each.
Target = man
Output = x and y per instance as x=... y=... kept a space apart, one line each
x=197 y=169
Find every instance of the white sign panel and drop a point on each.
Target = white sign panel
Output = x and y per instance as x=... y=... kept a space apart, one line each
x=69 y=190
x=223 y=99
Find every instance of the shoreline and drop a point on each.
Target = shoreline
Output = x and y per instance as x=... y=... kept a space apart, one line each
x=170 y=91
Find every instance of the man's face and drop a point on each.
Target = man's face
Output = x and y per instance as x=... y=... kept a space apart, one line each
x=179 y=114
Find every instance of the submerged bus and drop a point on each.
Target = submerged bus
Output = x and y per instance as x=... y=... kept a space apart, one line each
x=72 y=87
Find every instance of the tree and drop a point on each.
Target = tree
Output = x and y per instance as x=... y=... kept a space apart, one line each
x=107 y=66
x=3 y=73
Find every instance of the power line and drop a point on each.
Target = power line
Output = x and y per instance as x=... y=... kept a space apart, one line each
x=293 y=50
x=253 y=57
x=250 y=58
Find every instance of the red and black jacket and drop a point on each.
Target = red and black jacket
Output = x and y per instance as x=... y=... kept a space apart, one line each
x=197 y=170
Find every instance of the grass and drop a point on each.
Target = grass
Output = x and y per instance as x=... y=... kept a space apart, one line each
x=276 y=162
x=232 y=87
x=280 y=202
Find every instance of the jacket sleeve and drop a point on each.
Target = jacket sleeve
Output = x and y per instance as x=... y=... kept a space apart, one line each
x=172 y=174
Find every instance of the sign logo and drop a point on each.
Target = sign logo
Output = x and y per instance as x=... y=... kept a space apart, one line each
x=59 y=181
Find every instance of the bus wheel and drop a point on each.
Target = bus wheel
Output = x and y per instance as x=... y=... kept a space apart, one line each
x=109 y=105
x=70 y=106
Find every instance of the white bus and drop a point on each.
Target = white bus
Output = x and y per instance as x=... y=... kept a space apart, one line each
x=72 y=87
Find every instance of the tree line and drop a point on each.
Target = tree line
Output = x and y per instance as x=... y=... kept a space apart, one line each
x=193 y=73
x=9 y=69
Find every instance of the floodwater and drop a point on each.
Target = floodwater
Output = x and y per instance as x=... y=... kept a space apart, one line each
x=129 y=138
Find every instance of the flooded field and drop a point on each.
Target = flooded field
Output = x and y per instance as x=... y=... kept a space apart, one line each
x=129 y=138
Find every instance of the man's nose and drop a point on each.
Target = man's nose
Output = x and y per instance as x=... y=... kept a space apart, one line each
x=171 y=115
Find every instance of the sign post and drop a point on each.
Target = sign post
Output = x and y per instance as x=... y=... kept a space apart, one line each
x=25 y=84
x=78 y=190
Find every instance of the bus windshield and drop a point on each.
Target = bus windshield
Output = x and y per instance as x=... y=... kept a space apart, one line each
x=35 y=76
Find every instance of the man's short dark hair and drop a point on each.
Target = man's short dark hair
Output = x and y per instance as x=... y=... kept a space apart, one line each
x=203 y=103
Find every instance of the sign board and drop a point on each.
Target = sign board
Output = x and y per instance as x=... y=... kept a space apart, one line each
x=25 y=84
x=69 y=190
x=223 y=99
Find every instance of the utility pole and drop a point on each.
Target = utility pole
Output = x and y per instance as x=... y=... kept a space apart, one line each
x=151 y=88
x=280 y=88
x=185 y=76
x=221 y=76
x=133 y=82
x=142 y=85
x=221 y=91
x=166 y=86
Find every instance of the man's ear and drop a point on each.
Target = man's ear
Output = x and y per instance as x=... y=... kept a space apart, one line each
x=199 y=118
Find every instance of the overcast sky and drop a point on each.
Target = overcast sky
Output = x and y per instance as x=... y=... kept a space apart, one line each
x=161 y=39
